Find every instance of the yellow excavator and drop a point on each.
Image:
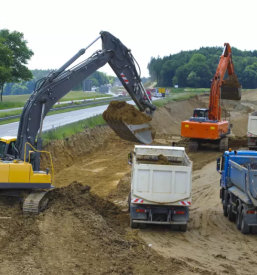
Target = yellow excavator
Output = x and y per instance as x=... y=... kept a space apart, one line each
x=20 y=156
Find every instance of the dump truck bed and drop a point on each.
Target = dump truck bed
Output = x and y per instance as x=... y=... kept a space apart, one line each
x=153 y=183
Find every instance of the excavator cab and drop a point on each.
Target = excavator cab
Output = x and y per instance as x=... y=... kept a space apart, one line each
x=7 y=146
x=201 y=112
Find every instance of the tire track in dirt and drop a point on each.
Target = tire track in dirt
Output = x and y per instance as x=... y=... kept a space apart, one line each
x=212 y=243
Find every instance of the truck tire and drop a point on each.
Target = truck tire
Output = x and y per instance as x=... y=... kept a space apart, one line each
x=133 y=225
x=225 y=209
x=231 y=214
x=175 y=227
x=245 y=228
x=142 y=225
x=254 y=230
x=238 y=217
x=183 y=227
x=129 y=201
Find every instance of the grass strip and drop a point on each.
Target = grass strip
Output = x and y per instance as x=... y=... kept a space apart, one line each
x=72 y=129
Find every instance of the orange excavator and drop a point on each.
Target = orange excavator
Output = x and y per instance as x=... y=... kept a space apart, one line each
x=206 y=125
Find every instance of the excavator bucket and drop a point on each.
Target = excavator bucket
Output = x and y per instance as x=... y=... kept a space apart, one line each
x=134 y=133
x=231 y=88
x=128 y=122
x=230 y=93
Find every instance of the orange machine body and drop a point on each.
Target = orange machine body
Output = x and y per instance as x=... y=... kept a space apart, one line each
x=213 y=128
x=204 y=130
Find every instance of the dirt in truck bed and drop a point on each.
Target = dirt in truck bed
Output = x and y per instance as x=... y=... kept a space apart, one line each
x=85 y=229
x=122 y=111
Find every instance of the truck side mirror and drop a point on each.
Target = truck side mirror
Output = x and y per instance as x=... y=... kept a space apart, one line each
x=218 y=164
x=231 y=126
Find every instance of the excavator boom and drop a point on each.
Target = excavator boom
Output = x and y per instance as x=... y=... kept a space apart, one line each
x=53 y=87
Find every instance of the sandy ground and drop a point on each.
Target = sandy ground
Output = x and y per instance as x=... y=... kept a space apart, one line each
x=87 y=232
x=212 y=242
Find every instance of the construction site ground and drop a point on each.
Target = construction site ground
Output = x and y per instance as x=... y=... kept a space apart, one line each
x=85 y=229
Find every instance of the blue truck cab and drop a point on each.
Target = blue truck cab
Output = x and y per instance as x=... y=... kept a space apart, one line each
x=238 y=188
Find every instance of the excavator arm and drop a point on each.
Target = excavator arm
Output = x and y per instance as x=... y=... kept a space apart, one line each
x=52 y=88
x=225 y=64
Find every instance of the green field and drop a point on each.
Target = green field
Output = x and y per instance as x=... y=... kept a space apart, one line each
x=179 y=94
x=74 y=128
x=15 y=101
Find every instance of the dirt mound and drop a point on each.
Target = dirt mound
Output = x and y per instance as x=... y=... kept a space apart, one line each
x=122 y=111
x=232 y=81
x=72 y=150
x=79 y=233
x=162 y=160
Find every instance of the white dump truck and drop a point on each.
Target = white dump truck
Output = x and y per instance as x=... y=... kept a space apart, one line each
x=160 y=190
x=252 y=131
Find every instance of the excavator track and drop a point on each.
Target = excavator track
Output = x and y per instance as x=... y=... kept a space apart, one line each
x=134 y=133
x=35 y=203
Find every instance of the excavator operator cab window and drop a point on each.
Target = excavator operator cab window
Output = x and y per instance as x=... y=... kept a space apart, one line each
x=10 y=150
x=2 y=148
x=201 y=113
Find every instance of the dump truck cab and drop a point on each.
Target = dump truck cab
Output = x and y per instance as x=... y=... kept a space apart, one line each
x=7 y=146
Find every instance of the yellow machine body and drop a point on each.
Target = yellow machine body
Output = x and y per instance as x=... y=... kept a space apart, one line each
x=8 y=139
x=20 y=175
x=16 y=174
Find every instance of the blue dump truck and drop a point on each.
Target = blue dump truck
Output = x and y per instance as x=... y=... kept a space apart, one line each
x=238 y=191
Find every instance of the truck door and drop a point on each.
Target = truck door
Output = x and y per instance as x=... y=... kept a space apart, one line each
x=223 y=175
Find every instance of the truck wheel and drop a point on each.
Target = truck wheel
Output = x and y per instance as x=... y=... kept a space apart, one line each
x=133 y=225
x=225 y=209
x=129 y=201
x=238 y=217
x=245 y=228
x=175 y=227
x=142 y=225
x=254 y=230
x=231 y=214
x=183 y=227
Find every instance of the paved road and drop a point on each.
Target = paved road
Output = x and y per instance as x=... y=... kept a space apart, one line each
x=58 y=119
x=62 y=102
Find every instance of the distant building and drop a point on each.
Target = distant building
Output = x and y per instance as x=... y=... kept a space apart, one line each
x=87 y=85
x=117 y=83
x=104 y=89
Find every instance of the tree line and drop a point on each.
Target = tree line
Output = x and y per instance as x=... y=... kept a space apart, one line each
x=16 y=78
x=196 y=68
x=27 y=87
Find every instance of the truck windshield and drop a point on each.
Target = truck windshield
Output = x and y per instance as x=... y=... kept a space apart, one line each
x=2 y=148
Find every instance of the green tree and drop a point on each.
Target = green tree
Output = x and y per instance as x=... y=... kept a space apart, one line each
x=19 y=89
x=6 y=61
x=20 y=55
x=193 y=80
x=95 y=82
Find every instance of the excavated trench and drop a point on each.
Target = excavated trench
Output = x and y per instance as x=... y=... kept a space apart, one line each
x=85 y=229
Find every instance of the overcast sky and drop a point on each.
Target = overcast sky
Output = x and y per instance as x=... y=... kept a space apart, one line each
x=56 y=29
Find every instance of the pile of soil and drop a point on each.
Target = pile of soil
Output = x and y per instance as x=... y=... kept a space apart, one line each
x=79 y=233
x=162 y=160
x=232 y=81
x=122 y=111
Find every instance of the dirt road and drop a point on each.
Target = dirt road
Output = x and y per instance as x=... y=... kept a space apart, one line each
x=212 y=243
